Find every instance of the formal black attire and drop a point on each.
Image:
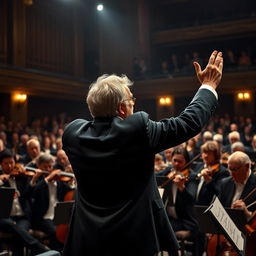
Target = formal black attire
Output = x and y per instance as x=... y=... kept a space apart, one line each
x=184 y=209
x=205 y=195
x=228 y=189
x=118 y=208
x=208 y=190
x=40 y=207
x=20 y=224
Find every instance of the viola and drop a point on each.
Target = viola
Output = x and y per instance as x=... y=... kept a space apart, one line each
x=213 y=168
x=183 y=171
x=20 y=169
x=224 y=158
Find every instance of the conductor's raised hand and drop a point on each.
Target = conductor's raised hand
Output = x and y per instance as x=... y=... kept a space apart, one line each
x=212 y=74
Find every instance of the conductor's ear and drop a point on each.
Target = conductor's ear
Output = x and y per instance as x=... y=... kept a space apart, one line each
x=122 y=110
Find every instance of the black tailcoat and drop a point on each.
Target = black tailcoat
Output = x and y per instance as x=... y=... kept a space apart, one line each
x=118 y=208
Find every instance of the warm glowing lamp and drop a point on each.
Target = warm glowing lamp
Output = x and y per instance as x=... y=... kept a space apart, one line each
x=20 y=97
x=247 y=96
x=244 y=96
x=240 y=96
x=163 y=101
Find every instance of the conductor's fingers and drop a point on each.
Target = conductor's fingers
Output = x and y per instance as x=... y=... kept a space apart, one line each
x=221 y=66
x=197 y=67
x=218 y=59
x=212 y=57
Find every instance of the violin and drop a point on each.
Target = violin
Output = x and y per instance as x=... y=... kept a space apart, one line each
x=184 y=171
x=212 y=170
x=20 y=169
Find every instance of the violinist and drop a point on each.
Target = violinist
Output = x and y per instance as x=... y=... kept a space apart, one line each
x=180 y=203
x=62 y=163
x=19 y=221
x=205 y=182
x=208 y=175
x=47 y=192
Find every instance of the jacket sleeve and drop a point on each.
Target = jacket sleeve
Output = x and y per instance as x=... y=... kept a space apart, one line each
x=173 y=131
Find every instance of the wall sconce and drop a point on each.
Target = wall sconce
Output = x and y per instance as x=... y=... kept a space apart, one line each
x=165 y=101
x=27 y=2
x=244 y=96
x=20 y=98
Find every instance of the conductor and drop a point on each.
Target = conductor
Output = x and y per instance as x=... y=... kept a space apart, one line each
x=118 y=209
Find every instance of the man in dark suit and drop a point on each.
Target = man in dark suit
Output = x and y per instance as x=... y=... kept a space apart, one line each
x=118 y=209
x=242 y=181
x=236 y=191
x=47 y=191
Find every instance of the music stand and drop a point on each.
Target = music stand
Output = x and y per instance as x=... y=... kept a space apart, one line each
x=6 y=195
x=167 y=188
x=208 y=223
x=62 y=212
x=237 y=215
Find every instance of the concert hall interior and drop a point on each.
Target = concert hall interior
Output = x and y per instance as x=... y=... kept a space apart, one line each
x=50 y=53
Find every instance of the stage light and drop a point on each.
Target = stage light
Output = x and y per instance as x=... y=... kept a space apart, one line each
x=100 y=7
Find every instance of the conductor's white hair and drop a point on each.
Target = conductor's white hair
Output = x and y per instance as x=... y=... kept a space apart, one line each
x=106 y=93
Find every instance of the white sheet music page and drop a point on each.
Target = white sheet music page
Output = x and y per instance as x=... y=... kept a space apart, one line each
x=227 y=223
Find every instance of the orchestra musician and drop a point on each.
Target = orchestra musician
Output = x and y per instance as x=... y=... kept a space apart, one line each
x=180 y=203
x=205 y=183
x=62 y=163
x=48 y=190
x=208 y=175
x=234 y=189
x=20 y=218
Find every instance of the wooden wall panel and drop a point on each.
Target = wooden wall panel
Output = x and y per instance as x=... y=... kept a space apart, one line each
x=3 y=31
x=186 y=35
x=50 y=37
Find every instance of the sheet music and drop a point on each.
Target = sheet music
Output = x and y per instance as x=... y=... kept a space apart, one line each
x=227 y=224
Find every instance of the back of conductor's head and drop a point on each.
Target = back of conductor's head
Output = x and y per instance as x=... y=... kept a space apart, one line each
x=106 y=93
